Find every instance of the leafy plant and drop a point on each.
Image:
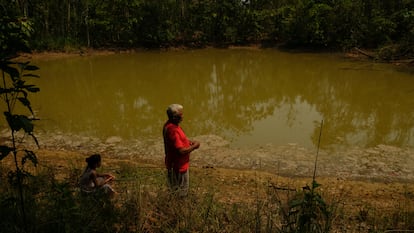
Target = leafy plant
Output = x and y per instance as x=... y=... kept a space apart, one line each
x=308 y=212
x=14 y=90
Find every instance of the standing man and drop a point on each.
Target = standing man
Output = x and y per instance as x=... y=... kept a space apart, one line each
x=177 y=150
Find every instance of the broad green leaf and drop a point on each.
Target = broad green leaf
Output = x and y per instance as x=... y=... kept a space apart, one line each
x=31 y=67
x=4 y=151
x=33 y=89
x=12 y=123
x=26 y=103
x=6 y=90
x=13 y=72
x=26 y=123
x=31 y=75
x=17 y=122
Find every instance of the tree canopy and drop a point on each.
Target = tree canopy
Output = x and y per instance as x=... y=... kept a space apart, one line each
x=338 y=24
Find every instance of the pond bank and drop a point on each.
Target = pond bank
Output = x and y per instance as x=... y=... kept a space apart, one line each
x=381 y=163
x=45 y=55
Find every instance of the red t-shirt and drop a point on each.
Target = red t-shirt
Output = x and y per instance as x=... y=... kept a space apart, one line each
x=175 y=139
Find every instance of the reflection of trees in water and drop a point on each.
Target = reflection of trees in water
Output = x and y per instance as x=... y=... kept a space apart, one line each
x=228 y=91
x=237 y=93
x=355 y=108
x=249 y=87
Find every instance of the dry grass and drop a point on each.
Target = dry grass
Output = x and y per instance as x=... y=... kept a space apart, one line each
x=232 y=200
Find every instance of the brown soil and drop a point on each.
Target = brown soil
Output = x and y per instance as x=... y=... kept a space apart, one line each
x=353 y=54
x=55 y=55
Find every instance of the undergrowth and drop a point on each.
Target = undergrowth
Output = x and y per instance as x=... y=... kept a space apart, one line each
x=144 y=204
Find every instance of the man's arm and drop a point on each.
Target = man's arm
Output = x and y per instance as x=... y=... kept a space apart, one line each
x=193 y=146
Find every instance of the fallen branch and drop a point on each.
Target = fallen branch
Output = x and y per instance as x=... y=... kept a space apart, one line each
x=364 y=53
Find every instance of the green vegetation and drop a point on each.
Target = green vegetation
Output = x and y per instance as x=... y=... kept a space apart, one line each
x=14 y=93
x=14 y=89
x=341 y=24
x=255 y=203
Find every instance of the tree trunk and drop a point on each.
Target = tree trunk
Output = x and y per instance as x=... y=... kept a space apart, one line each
x=88 y=41
x=23 y=5
x=68 y=19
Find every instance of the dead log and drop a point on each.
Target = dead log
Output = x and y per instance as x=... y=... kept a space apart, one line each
x=364 y=53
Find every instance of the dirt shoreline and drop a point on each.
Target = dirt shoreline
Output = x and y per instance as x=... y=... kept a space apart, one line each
x=45 y=55
x=381 y=163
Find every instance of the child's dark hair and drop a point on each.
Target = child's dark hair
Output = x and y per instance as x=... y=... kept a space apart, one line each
x=93 y=159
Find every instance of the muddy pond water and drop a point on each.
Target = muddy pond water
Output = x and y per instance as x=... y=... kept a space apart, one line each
x=237 y=98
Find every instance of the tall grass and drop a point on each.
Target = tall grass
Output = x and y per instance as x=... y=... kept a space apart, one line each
x=144 y=204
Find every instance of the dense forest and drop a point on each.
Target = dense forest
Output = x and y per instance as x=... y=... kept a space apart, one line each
x=386 y=26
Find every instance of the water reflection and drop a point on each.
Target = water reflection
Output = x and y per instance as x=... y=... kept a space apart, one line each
x=247 y=96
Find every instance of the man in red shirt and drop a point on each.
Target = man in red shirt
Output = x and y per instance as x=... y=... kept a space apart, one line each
x=177 y=150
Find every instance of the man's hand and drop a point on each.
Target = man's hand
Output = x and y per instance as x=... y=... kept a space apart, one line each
x=195 y=144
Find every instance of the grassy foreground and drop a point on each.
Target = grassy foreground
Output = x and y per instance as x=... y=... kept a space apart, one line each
x=220 y=200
